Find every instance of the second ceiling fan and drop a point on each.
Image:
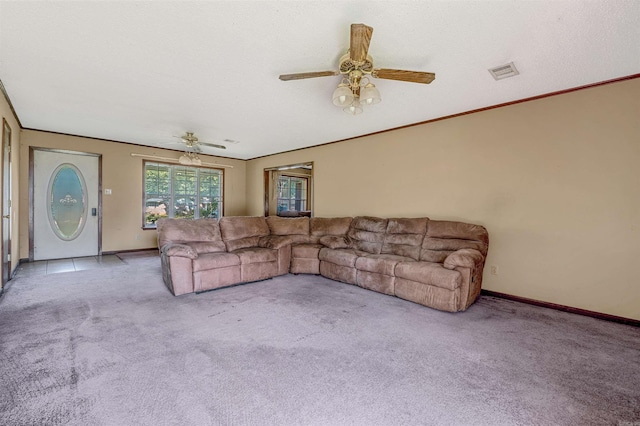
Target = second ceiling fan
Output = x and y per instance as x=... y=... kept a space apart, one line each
x=191 y=141
x=192 y=148
x=356 y=89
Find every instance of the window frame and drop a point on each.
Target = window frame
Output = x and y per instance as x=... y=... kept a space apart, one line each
x=172 y=194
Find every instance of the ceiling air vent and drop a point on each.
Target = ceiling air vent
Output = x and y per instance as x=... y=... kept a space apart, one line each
x=504 y=71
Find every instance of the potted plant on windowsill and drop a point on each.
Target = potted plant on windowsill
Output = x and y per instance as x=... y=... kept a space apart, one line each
x=152 y=214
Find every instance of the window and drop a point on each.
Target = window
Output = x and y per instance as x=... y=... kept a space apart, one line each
x=181 y=192
x=292 y=193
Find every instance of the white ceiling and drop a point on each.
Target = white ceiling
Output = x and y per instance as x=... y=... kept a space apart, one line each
x=140 y=72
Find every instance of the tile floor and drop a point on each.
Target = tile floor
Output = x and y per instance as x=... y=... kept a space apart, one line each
x=44 y=267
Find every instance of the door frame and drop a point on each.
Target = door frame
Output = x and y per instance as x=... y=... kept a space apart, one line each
x=32 y=150
x=6 y=199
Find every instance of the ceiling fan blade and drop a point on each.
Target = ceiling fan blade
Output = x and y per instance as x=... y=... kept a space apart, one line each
x=360 y=39
x=402 y=75
x=301 y=75
x=213 y=145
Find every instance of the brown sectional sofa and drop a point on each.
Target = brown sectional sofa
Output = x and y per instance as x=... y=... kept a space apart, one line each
x=435 y=263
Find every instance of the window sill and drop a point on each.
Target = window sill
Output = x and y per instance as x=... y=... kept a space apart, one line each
x=150 y=228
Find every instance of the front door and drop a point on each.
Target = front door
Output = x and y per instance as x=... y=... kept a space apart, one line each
x=66 y=204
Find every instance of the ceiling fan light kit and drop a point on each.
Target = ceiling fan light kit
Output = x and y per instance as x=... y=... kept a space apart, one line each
x=355 y=89
x=190 y=159
x=353 y=92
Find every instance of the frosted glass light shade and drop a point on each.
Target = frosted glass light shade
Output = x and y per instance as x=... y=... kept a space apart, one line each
x=354 y=108
x=342 y=96
x=369 y=95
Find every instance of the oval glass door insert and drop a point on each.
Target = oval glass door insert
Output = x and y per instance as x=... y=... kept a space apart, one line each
x=67 y=201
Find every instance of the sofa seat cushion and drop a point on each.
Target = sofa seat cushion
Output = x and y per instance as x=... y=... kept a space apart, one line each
x=380 y=263
x=256 y=255
x=305 y=251
x=342 y=257
x=207 y=261
x=429 y=273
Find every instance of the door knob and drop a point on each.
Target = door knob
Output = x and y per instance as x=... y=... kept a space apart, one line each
x=6 y=216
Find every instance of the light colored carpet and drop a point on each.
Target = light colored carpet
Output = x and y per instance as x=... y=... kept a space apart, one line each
x=114 y=347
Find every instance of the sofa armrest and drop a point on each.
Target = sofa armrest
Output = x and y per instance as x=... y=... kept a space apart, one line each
x=469 y=262
x=275 y=241
x=335 y=241
x=466 y=258
x=179 y=250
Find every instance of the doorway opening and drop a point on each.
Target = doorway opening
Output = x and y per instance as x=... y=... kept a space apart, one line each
x=288 y=190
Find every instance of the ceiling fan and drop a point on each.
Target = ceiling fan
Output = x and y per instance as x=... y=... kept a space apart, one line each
x=356 y=89
x=192 y=148
x=192 y=142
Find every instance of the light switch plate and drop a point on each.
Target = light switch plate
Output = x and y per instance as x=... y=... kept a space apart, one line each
x=107 y=192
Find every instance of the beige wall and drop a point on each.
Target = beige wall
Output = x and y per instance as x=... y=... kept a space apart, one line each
x=556 y=182
x=122 y=173
x=7 y=114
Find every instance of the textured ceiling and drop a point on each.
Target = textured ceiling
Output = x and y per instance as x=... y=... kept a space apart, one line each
x=140 y=72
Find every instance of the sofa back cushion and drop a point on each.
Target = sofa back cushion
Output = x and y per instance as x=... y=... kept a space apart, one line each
x=202 y=232
x=242 y=231
x=321 y=226
x=444 y=237
x=367 y=233
x=404 y=237
x=295 y=227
